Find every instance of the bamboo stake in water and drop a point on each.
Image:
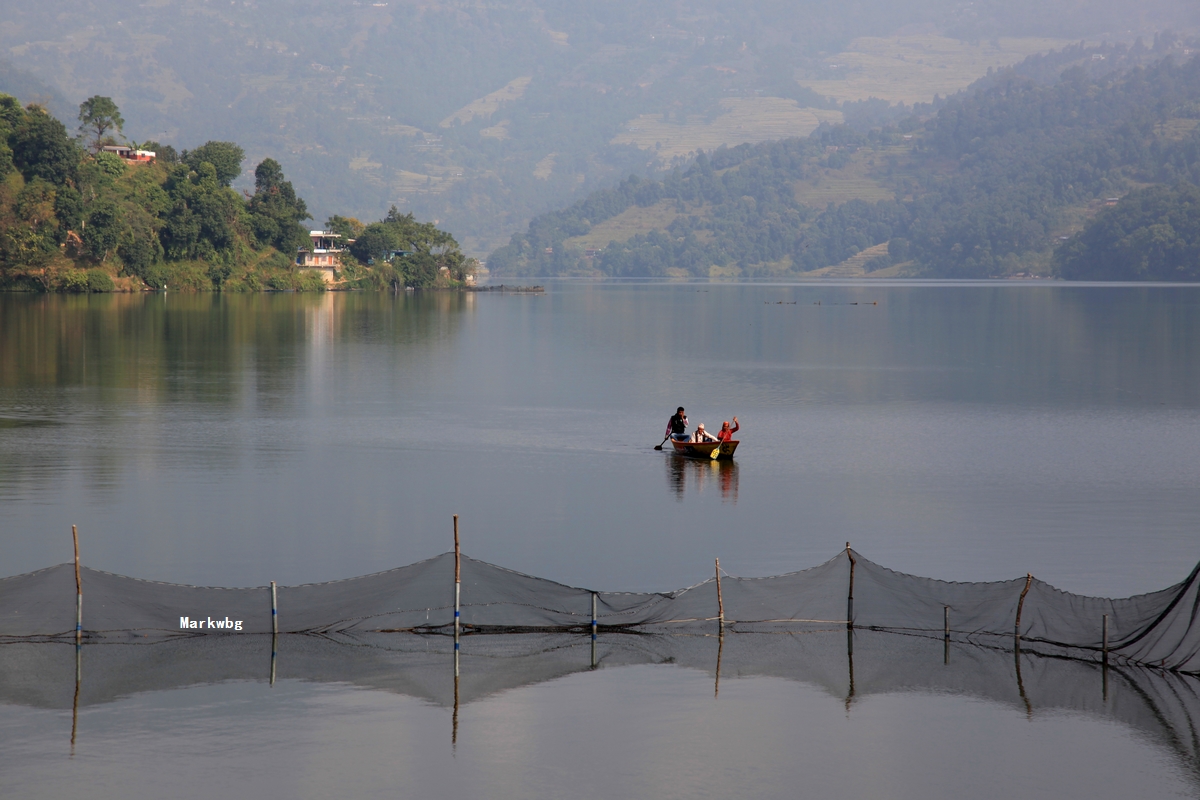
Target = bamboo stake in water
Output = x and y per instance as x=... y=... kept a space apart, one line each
x=1020 y=608
x=850 y=594
x=274 y=629
x=593 y=630
x=720 y=601
x=1104 y=665
x=945 y=634
x=457 y=591
x=78 y=590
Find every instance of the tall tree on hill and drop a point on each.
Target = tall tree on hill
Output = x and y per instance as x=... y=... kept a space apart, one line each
x=226 y=158
x=99 y=115
x=41 y=148
x=276 y=212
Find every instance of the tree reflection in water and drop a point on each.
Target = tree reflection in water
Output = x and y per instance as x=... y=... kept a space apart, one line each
x=701 y=473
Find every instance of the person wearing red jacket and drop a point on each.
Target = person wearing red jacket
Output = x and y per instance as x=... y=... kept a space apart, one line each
x=726 y=433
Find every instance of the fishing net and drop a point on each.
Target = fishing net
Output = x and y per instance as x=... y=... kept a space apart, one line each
x=1157 y=629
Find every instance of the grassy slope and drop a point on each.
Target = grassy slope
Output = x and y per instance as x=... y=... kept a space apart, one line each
x=912 y=69
x=865 y=177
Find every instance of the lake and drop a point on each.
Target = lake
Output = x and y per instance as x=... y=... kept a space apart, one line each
x=965 y=432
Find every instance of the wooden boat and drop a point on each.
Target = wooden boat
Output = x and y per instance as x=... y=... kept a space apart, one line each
x=711 y=450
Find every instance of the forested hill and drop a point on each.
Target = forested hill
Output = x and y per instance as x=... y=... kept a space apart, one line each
x=989 y=186
x=75 y=216
x=484 y=114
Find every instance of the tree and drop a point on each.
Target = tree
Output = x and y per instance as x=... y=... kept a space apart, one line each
x=99 y=114
x=226 y=158
x=346 y=227
x=375 y=243
x=41 y=148
x=163 y=153
x=276 y=211
x=104 y=231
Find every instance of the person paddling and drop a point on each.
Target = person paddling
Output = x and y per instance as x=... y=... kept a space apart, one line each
x=677 y=426
x=726 y=433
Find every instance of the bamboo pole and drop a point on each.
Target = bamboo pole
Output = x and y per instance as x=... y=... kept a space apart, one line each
x=274 y=611
x=945 y=634
x=78 y=590
x=593 y=630
x=850 y=595
x=1020 y=608
x=457 y=591
x=1104 y=663
x=720 y=601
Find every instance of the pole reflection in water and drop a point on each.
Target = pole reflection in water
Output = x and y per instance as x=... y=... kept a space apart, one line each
x=846 y=664
x=702 y=473
x=454 y=716
x=75 y=701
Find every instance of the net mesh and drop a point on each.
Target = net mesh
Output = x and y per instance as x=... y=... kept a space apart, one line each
x=1157 y=629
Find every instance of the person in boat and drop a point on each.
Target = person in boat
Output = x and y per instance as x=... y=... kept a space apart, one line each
x=703 y=435
x=677 y=426
x=726 y=433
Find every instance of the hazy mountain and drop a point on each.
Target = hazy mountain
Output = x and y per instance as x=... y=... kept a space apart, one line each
x=481 y=115
x=988 y=186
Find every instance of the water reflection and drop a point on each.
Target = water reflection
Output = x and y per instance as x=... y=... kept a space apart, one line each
x=199 y=347
x=94 y=383
x=849 y=667
x=703 y=474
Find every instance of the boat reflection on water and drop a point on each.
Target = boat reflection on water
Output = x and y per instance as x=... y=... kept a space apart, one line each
x=702 y=474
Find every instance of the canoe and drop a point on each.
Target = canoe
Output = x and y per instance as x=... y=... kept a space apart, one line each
x=705 y=449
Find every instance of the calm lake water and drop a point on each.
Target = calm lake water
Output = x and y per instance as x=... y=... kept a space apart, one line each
x=964 y=432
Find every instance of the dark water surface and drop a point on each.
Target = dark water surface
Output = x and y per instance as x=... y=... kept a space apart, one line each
x=961 y=432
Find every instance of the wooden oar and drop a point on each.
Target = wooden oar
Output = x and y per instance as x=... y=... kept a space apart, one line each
x=664 y=441
x=716 y=452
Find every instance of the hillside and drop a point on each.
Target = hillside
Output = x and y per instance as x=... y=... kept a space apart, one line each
x=987 y=186
x=77 y=218
x=483 y=115
x=1151 y=234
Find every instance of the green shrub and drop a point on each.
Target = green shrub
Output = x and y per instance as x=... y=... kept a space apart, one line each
x=310 y=282
x=73 y=280
x=281 y=282
x=99 y=281
x=110 y=164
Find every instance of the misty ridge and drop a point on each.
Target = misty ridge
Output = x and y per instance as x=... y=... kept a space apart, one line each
x=481 y=118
